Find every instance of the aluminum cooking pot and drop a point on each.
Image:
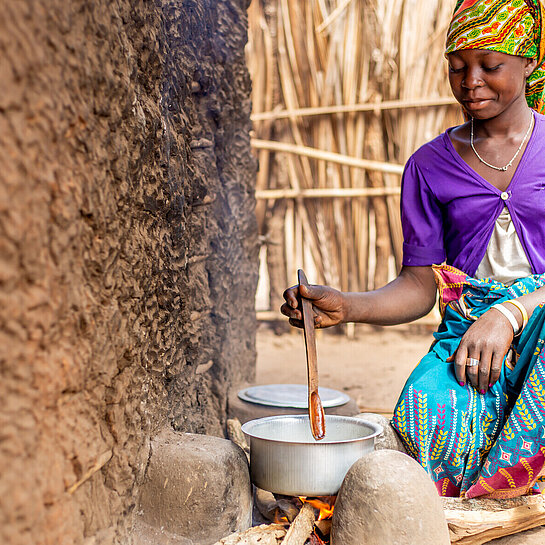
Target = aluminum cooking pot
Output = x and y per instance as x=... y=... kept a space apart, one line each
x=286 y=459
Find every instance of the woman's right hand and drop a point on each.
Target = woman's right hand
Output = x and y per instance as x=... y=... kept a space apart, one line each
x=328 y=305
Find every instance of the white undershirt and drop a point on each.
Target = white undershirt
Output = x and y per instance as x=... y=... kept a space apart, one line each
x=505 y=259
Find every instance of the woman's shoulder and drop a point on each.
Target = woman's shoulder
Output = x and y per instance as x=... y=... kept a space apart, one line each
x=437 y=145
x=435 y=154
x=540 y=121
x=535 y=151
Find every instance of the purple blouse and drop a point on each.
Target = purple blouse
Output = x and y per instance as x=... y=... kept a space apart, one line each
x=448 y=211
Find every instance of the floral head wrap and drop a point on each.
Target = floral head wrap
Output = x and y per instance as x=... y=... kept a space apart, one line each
x=515 y=27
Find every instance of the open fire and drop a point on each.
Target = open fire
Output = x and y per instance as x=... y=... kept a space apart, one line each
x=289 y=511
x=325 y=506
x=322 y=529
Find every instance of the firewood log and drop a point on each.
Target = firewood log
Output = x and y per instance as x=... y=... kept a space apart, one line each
x=324 y=526
x=273 y=507
x=271 y=534
x=266 y=503
x=288 y=509
x=477 y=521
x=301 y=527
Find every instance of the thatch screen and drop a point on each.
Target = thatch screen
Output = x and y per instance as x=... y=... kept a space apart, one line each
x=343 y=92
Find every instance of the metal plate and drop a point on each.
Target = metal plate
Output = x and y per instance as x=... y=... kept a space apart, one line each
x=290 y=395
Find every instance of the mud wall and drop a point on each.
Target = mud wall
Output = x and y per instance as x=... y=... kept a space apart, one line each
x=128 y=253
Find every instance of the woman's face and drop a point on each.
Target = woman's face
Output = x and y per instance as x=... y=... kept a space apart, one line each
x=487 y=83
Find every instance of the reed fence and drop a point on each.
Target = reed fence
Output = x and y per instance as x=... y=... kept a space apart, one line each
x=343 y=92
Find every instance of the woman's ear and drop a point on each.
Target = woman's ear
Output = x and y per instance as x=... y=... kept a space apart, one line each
x=531 y=65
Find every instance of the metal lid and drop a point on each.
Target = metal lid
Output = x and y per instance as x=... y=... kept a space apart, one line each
x=290 y=395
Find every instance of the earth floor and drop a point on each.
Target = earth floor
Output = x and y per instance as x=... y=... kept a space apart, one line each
x=371 y=367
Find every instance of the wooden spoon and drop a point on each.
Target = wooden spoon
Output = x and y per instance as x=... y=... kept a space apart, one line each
x=315 y=409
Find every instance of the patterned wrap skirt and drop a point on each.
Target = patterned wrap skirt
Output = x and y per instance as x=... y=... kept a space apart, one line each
x=471 y=444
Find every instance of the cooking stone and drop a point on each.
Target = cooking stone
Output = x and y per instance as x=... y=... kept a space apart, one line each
x=290 y=395
x=388 y=498
x=216 y=501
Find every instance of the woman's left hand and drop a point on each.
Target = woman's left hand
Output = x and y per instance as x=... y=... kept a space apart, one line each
x=487 y=340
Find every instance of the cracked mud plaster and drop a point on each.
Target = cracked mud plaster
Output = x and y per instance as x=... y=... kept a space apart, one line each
x=128 y=249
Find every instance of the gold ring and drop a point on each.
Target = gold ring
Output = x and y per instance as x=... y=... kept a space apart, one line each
x=471 y=362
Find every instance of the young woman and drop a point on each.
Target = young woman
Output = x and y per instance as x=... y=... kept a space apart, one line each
x=473 y=216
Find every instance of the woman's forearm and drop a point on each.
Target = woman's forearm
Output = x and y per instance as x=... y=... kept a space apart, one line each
x=532 y=300
x=410 y=296
x=529 y=301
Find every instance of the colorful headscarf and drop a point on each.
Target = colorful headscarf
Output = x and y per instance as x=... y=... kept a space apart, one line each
x=515 y=27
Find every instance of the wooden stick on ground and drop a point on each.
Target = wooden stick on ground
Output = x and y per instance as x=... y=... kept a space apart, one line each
x=301 y=527
x=473 y=522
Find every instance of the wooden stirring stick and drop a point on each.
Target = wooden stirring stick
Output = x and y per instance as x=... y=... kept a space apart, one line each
x=315 y=409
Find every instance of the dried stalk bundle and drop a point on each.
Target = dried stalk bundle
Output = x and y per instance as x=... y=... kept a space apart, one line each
x=345 y=86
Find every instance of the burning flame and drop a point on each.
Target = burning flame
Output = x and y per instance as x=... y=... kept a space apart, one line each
x=280 y=519
x=325 y=505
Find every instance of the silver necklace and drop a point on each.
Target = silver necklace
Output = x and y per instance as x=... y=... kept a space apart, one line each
x=514 y=156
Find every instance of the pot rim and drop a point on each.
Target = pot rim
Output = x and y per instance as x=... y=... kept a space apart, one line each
x=376 y=429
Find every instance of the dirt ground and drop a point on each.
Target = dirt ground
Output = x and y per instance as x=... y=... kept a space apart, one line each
x=371 y=367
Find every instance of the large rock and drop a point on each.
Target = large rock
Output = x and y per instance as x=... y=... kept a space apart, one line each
x=197 y=487
x=388 y=499
x=388 y=439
